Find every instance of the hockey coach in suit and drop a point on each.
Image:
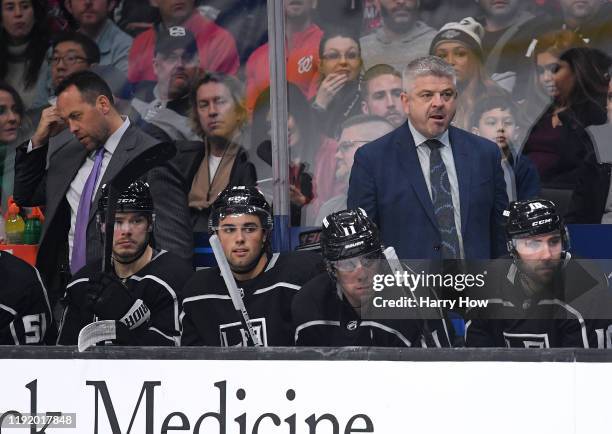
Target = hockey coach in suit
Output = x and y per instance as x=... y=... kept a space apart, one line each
x=435 y=191
x=103 y=142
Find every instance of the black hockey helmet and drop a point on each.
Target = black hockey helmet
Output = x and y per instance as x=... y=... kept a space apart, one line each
x=534 y=217
x=136 y=198
x=347 y=234
x=240 y=200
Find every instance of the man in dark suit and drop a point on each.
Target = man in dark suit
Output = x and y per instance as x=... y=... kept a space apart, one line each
x=103 y=143
x=436 y=192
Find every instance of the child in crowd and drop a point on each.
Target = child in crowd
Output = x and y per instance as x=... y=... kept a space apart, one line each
x=495 y=118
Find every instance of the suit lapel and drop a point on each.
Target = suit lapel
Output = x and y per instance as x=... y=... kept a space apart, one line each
x=68 y=162
x=120 y=157
x=408 y=158
x=461 y=155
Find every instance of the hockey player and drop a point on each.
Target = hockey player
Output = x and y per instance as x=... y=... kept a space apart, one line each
x=544 y=298
x=328 y=310
x=25 y=313
x=242 y=220
x=142 y=293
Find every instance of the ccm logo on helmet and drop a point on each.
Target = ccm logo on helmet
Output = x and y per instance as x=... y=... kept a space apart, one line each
x=541 y=222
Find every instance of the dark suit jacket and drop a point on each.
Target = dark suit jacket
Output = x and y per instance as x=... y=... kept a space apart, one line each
x=35 y=185
x=387 y=182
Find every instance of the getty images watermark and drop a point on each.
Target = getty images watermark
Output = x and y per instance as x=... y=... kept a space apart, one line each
x=456 y=282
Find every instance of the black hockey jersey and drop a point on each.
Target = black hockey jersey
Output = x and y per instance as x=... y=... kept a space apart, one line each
x=25 y=313
x=209 y=317
x=158 y=284
x=567 y=315
x=323 y=317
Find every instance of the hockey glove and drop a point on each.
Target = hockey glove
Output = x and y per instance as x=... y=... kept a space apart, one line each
x=109 y=299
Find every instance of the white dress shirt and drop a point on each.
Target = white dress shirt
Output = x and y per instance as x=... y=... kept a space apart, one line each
x=73 y=195
x=446 y=153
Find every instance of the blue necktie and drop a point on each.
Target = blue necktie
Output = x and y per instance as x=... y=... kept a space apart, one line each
x=443 y=201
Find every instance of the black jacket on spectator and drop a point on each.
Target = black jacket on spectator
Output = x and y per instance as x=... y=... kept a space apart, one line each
x=346 y=103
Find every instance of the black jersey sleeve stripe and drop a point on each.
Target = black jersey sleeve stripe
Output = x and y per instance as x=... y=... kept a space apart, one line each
x=301 y=327
x=276 y=285
x=206 y=297
x=172 y=294
x=74 y=282
x=388 y=329
x=8 y=309
x=44 y=290
x=14 y=333
x=570 y=309
x=174 y=339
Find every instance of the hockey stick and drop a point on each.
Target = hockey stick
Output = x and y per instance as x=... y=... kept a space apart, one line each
x=152 y=157
x=233 y=290
x=397 y=267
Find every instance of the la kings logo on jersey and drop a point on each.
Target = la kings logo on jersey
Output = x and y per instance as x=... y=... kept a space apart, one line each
x=234 y=335
x=526 y=340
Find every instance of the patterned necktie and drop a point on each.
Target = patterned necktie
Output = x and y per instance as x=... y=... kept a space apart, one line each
x=79 y=246
x=443 y=201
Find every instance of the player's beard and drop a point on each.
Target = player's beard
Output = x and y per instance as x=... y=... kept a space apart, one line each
x=536 y=282
x=128 y=259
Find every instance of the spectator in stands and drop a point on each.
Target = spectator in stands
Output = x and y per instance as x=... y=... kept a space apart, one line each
x=338 y=97
x=460 y=45
x=66 y=182
x=331 y=13
x=541 y=89
x=247 y=21
x=304 y=142
x=558 y=142
x=216 y=46
x=24 y=40
x=508 y=31
x=11 y=113
x=381 y=92
x=356 y=132
x=436 y=13
x=591 y=201
x=495 y=118
x=302 y=37
x=591 y=20
x=220 y=160
x=165 y=104
x=92 y=20
x=71 y=52
x=401 y=38
x=135 y=16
